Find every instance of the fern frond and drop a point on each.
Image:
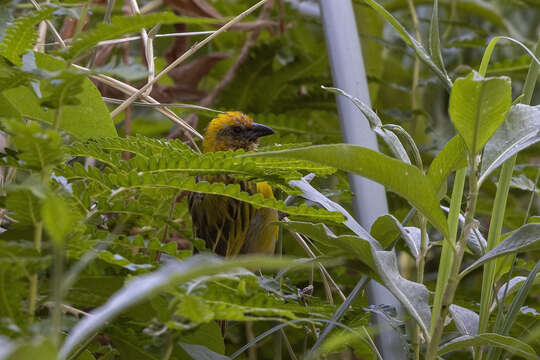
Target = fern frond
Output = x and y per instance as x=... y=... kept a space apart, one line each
x=139 y=145
x=121 y=25
x=140 y=180
x=21 y=35
x=10 y=76
x=173 y=157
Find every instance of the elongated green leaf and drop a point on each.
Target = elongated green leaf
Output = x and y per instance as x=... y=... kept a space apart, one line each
x=520 y=130
x=347 y=245
x=376 y=125
x=511 y=287
x=121 y=25
x=413 y=296
x=482 y=9
x=478 y=106
x=510 y=344
x=525 y=238
x=200 y=352
x=403 y=179
x=21 y=35
x=513 y=311
x=312 y=194
x=147 y=286
x=435 y=39
x=466 y=320
x=412 y=42
x=452 y=157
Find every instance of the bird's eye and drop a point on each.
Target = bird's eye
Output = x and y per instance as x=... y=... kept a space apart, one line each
x=237 y=129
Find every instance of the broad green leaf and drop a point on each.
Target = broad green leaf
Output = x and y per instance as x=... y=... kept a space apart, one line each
x=478 y=106
x=21 y=35
x=411 y=234
x=39 y=348
x=146 y=286
x=384 y=231
x=341 y=340
x=520 y=130
x=25 y=206
x=404 y=179
x=208 y=335
x=121 y=25
x=510 y=344
x=88 y=119
x=59 y=218
x=452 y=157
x=525 y=238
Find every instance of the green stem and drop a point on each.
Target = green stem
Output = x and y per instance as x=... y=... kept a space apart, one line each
x=449 y=246
x=33 y=286
x=82 y=19
x=57 y=293
x=420 y=266
x=454 y=278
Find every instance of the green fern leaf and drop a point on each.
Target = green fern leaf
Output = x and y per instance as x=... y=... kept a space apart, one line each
x=21 y=35
x=10 y=76
x=140 y=180
x=38 y=149
x=121 y=25
x=173 y=157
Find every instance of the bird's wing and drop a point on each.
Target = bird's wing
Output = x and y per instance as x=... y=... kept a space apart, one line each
x=263 y=232
x=221 y=221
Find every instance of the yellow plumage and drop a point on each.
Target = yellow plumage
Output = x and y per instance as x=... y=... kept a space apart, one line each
x=228 y=226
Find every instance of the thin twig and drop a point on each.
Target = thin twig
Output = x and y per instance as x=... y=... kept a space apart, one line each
x=148 y=48
x=128 y=89
x=51 y=26
x=184 y=56
x=134 y=38
x=171 y=105
x=288 y=345
x=325 y=274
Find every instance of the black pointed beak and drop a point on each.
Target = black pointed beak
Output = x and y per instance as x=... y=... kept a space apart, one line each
x=258 y=130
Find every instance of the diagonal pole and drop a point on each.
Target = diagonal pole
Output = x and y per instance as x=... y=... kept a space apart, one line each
x=348 y=72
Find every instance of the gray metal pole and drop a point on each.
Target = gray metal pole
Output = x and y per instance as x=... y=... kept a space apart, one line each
x=349 y=75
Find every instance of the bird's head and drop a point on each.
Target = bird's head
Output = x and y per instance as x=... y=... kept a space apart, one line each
x=232 y=131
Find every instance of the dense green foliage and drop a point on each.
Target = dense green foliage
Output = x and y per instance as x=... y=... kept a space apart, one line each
x=97 y=256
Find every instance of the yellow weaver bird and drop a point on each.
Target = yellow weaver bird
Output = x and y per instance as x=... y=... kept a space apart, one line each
x=228 y=226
